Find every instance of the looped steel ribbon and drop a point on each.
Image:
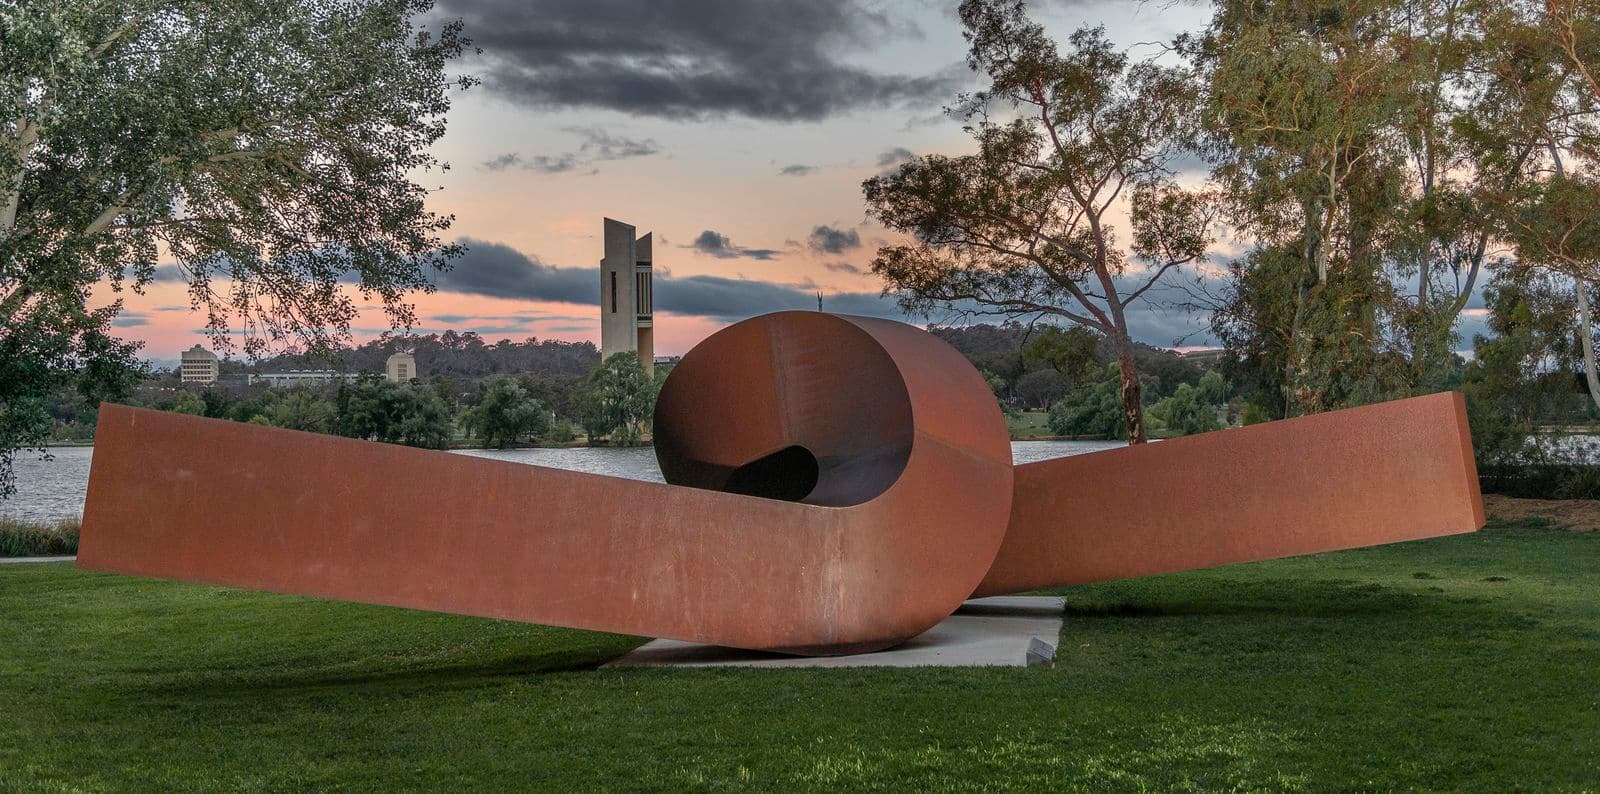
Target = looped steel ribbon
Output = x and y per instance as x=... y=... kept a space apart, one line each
x=835 y=485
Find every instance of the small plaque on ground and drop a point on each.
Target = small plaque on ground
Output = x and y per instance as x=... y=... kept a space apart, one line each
x=1002 y=631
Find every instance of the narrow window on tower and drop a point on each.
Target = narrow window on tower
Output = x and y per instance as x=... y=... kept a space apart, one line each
x=613 y=292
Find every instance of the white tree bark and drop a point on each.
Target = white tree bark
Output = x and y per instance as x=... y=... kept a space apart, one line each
x=11 y=196
x=1587 y=335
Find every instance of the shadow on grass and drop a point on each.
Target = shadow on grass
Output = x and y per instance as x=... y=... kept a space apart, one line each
x=1293 y=598
x=225 y=683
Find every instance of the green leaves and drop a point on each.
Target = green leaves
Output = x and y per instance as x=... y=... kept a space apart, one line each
x=1023 y=226
x=621 y=399
x=377 y=410
x=267 y=147
x=507 y=414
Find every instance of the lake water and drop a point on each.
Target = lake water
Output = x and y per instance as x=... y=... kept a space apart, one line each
x=54 y=488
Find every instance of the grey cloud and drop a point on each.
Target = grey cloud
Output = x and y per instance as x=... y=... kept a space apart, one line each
x=797 y=170
x=598 y=145
x=711 y=243
x=828 y=240
x=508 y=319
x=131 y=319
x=844 y=267
x=693 y=59
x=735 y=299
x=544 y=164
x=896 y=156
x=557 y=164
x=502 y=162
x=499 y=271
x=1170 y=326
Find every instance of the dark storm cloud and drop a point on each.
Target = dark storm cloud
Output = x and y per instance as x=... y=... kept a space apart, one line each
x=711 y=243
x=693 y=59
x=797 y=170
x=500 y=271
x=828 y=240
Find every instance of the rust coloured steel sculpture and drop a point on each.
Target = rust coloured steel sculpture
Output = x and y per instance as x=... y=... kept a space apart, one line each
x=836 y=485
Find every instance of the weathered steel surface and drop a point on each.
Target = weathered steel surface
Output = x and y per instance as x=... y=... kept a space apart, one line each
x=1396 y=471
x=913 y=489
x=839 y=484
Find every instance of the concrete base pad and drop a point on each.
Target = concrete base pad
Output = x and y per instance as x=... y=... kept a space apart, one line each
x=1002 y=631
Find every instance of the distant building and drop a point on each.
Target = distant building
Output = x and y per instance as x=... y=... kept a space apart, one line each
x=297 y=377
x=198 y=365
x=401 y=368
x=625 y=295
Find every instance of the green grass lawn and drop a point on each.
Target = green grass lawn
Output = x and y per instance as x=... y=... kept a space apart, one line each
x=1461 y=663
x=1029 y=424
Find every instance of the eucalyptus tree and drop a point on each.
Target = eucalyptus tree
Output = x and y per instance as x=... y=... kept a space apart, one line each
x=1369 y=147
x=1300 y=104
x=1553 y=219
x=268 y=150
x=1572 y=205
x=1066 y=142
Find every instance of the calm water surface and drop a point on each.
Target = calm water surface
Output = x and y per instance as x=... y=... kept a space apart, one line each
x=54 y=488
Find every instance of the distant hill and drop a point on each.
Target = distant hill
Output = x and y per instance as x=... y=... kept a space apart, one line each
x=459 y=356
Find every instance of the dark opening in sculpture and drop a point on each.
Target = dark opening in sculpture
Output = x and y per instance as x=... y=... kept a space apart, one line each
x=789 y=474
x=836 y=484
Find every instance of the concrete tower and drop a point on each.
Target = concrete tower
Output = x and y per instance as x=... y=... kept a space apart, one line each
x=625 y=315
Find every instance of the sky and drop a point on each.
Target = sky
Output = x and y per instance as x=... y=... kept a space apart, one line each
x=738 y=131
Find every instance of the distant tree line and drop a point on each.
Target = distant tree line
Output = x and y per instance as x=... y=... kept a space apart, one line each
x=463 y=356
x=1073 y=373
x=610 y=401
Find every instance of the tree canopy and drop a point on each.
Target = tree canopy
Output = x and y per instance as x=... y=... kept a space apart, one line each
x=1022 y=226
x=621 y=399
x=507 y=414
x=266 y=149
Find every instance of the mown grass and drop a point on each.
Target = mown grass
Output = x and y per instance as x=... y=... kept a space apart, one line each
x=20 y=538
x=1465 y=663
x=1029 y=424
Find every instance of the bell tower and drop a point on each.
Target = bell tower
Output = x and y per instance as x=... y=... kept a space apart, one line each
x=625 y=294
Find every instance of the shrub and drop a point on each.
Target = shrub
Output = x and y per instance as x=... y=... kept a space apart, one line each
x=25 y=539
x=1542 y=480
x=562 y=432
x=1579 y=482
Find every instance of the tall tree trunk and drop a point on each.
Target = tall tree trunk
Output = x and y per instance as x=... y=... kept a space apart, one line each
x=1585 y=334
x=1291 y=353
x=1132 y=393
